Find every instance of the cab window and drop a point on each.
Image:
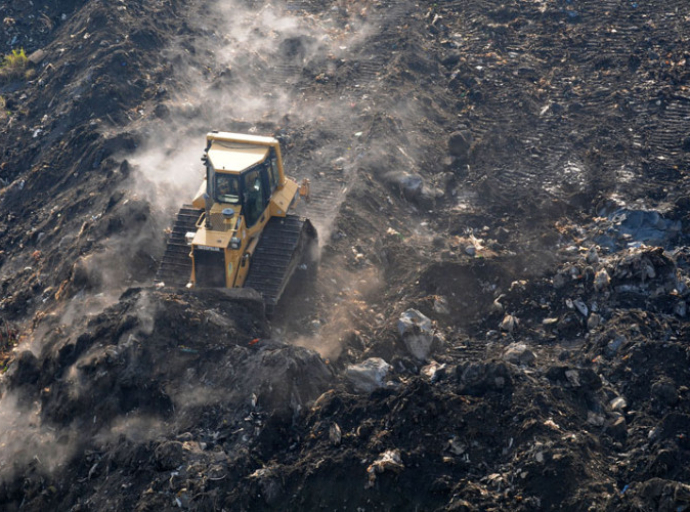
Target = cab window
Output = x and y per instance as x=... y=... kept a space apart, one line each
x=273 y=175
x=227 y=188
x=254 y=196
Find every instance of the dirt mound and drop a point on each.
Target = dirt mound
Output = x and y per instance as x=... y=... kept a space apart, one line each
x=154 y=376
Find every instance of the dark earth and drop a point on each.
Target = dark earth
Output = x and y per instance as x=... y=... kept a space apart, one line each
x=512 y=174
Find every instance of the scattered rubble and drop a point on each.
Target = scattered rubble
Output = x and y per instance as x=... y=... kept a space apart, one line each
x=388 y=461
x=499 y=317
x=518 y=353
x=416 y=332
x=368 y=375
x=509 y=323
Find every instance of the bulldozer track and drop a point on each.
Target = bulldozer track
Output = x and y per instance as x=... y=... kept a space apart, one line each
x=176 y=266
x=654 y=122
x=327 y=196
x=283 y=243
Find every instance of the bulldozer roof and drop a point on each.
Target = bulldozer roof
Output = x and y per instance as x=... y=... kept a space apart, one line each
x=235 y=157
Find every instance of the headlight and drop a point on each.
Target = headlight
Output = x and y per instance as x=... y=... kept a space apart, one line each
x=235 y=243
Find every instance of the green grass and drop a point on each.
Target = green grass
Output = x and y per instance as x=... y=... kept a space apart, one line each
x=14 y=65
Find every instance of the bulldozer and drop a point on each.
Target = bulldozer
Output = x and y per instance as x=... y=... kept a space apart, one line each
x=240 y=229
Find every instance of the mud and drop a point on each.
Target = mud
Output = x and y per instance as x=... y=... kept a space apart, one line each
x=516 y=172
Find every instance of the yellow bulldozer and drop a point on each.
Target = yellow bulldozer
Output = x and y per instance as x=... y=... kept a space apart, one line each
x=238 y=231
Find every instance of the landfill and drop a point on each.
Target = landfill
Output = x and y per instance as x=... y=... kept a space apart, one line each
x=499 y=319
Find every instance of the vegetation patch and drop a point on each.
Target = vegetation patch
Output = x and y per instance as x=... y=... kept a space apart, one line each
x=14 y=66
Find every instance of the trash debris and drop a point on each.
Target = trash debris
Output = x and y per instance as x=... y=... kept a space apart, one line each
x=334 y=434
x=519 y=354
x=515 y=171
x=618 y=403
x=509 y=323
x=496 y=306
x=410 y=185
x=592 y=256
x=594 y=419
x=601 y=280
x=573 y=377
x=433 y=371
x=552 y=424
x=625 y=226
x=416 y=331
x=388 y=461
x=581 y=307
x=368 y=375
x=593 y=321
x=456 y=446
x=441 y=305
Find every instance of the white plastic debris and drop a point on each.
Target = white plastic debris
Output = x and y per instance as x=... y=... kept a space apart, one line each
x=509 y=323
x=551 y=424
x=416 y=331
x=441 y=306
x=432 y=371
x=388 y=461
x=368 y=375
x=618 y=403
x=334 y=434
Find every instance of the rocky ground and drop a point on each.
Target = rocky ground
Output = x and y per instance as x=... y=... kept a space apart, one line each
x=499 y=320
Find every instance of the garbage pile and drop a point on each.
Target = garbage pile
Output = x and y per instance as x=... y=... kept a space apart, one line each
x=500 y=316
x=158 y=381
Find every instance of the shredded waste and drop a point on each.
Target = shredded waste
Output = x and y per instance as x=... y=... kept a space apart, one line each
x=499 y=317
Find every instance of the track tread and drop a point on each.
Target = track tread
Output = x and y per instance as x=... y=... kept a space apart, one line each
x=277 y=255
x=176 y=265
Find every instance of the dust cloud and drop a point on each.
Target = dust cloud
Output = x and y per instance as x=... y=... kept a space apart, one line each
x=25 y=442
x=245 y=77
x=239 y=78
x=350 y=308
x=135 y=428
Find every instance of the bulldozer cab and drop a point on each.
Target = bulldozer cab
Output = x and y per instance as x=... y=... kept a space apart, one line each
x=251 y=189
x=243 y=174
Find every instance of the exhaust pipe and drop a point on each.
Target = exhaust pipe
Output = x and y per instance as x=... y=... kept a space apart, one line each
x=208 y=203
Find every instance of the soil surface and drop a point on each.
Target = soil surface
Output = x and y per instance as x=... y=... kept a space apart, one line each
x=499 y=319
